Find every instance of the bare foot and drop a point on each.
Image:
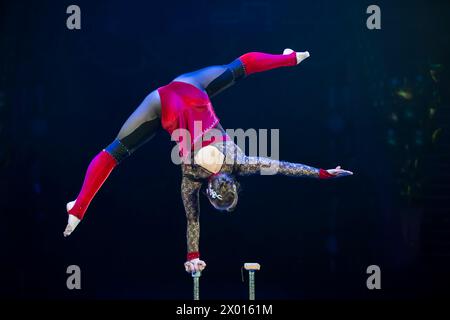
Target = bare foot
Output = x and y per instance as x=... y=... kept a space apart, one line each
x=72 y=221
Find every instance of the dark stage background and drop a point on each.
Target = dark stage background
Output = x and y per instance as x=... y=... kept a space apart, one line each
x=374 y=101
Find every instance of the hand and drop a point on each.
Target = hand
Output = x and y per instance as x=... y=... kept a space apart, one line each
x=194 y=265
x=338 y=172
x=300 y=55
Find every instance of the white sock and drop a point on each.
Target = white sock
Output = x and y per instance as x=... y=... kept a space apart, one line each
x=300 y=55
x=72 y=221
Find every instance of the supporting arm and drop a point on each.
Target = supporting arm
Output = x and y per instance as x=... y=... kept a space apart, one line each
x=190 y=195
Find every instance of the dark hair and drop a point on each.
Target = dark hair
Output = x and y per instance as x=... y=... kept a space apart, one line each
x=222 y=191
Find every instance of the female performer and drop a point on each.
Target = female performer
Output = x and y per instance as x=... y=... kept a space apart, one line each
x=184 y=106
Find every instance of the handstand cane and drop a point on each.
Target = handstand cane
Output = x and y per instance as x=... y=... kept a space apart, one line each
x=196 y=277
x=251 y=268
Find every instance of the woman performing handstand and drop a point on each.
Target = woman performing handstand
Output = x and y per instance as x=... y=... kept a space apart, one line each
x=179 y=106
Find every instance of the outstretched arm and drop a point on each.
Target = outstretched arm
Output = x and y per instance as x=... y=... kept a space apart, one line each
x=215 y=79
x=265 y=166
x=190 y=195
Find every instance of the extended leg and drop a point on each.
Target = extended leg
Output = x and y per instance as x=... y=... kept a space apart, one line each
x=215 y=79
x=140 y=127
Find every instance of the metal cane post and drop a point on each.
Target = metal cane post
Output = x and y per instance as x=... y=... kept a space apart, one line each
x=196 y=277
x=251 y=268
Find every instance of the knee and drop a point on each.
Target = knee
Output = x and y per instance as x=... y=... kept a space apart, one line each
x=118 y=150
